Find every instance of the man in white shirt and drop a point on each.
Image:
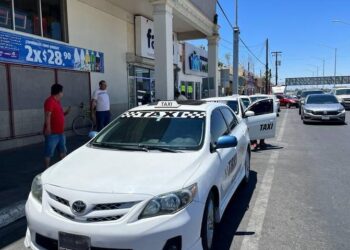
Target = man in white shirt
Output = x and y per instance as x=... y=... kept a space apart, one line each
x=100 y=102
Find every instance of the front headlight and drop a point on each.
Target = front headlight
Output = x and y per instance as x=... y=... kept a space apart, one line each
x=169 y=203
x=37 y=188
x=307 y=111
x=340 y=99
x=342 y=110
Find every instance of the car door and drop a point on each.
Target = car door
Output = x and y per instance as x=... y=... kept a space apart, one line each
x=226 y=156
x=263 y=124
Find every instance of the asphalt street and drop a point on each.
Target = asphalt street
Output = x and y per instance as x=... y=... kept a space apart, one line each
x=297 y=198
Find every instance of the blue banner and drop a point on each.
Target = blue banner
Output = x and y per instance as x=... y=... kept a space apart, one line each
x=21 y=49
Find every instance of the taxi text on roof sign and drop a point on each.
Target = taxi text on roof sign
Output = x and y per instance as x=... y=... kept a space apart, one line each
x=167 y=104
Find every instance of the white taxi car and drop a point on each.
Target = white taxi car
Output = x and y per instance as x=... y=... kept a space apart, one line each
x=158 y=177
x=259 y=116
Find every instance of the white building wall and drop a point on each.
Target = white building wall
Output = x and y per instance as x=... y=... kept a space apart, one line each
x=92 y=28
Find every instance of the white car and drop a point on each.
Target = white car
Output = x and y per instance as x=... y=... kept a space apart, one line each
x=158 y=177
x=343 y=96
x=259 y=116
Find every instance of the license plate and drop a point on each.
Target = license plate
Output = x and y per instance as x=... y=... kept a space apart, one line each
x=325 y=118
x=68 y=241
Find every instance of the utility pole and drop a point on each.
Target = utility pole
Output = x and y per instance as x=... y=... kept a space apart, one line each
x=276 y=54
x=335 y=67
x=235 y=53
x=267 y=68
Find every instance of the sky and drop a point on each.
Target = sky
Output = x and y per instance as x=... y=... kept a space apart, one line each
x=302 y=29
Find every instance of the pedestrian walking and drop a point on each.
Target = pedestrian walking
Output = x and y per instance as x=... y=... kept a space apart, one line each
x=54 y=124
x=100 y=103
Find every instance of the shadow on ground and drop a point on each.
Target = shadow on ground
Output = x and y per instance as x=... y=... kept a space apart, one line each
x=234 y=214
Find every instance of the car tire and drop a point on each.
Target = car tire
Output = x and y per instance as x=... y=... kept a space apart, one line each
x=299 y=111
x=208 y=223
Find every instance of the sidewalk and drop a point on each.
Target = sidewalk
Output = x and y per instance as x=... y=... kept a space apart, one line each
x=19 y=166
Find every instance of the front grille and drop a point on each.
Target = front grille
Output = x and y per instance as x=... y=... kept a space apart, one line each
x=112 y=206
x=325 y=113
x=346 y=99
x=49 y=243
x=68 y=216
x=59 y=199
x=101 y=219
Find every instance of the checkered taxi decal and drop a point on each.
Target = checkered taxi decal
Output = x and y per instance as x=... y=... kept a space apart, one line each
x=165 y=114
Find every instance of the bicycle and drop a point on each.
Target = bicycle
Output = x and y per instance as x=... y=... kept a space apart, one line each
x=83 y=124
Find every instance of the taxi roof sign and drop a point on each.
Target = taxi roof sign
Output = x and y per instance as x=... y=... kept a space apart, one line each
x=167 y=104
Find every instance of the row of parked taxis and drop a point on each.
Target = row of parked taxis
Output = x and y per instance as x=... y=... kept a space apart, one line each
x=157 y=177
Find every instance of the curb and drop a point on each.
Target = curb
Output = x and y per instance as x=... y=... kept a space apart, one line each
x=12 y=213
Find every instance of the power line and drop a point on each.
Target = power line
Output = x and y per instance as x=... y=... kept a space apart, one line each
x=249 y=50
x=223 y=12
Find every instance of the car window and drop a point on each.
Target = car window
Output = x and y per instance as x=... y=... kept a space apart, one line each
x=233 y=105
x=246 y=102
x=218 y=126
x=177 y=130
x=343 y=92
x=306 y=93
x=262 y=107
x=230 y=118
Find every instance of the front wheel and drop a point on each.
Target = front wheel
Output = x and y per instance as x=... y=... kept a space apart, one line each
x=208 y=223
x=82 y=125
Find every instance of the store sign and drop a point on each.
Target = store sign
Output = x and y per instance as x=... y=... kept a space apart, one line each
x=318 y=80
x=144 y=29
x=15 y=48
x=196 y=61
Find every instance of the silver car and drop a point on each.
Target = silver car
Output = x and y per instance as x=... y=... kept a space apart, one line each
x=322 y=107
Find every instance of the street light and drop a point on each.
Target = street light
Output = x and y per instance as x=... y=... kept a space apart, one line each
x=323 y=63
x=335 y=61
x=316 y=66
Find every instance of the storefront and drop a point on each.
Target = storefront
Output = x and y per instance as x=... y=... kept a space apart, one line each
x=130 y=44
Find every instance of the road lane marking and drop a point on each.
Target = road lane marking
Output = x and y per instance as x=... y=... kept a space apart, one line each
x=257 y=216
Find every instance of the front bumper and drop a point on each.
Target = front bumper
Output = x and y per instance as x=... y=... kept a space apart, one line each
x=324 y=118
x=125 y=233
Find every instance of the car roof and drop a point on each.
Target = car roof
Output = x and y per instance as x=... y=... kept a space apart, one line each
x=222 y=98
x=325 y=94
x=312 y=90
x=189 y=105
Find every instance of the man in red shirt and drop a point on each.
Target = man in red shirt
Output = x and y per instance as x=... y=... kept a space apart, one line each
x=54 y=124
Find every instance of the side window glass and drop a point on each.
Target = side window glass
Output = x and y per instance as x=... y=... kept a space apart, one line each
x=263 y=107
x=218 y=126
x=230 y=118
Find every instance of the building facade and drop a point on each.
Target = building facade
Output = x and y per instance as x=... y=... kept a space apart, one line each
x=132 y=44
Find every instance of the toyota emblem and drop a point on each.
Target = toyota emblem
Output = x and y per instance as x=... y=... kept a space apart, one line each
x=78 y=207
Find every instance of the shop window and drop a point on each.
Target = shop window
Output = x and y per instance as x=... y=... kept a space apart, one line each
x=52 y=19
x=6 y=14
x=27 y=17
x=50 y=22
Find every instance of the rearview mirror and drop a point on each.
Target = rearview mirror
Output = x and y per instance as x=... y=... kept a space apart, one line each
x=226 y=141
x=92 y=134
x=249 y=113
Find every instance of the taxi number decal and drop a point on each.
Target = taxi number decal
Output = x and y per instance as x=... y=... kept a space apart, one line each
x=164 y=114
x=268 y=126
x=231 y=166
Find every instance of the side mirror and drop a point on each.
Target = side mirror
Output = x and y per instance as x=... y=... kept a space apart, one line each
x=249 y=113
x=92 y=134
x=226 y=141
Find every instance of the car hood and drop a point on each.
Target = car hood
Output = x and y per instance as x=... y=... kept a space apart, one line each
x=324 y=107
x=112 y=171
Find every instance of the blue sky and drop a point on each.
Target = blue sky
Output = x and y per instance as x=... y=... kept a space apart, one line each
x=301 y=29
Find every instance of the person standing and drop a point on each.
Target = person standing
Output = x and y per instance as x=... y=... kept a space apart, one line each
x=180 y=96
x=54 y=124
x=100 y=102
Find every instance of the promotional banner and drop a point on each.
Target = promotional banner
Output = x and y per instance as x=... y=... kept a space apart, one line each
x=196 y=61
x=15 y=48
x=318 y=80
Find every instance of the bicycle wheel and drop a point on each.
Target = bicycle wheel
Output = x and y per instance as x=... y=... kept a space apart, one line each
x=82 y=125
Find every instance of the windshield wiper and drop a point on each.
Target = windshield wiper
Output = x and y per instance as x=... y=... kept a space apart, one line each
x=119 y=147
x=160 y=148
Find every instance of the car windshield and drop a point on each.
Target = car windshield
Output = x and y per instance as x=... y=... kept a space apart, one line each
x=179 y=130
x=342 y=92
x=255 y=98
x=306 y=93
x=321 y=99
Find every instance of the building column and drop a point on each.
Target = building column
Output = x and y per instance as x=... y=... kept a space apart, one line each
x=213 y=70
x=163 y=50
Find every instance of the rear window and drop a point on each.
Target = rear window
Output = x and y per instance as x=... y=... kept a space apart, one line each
x=306 y=93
